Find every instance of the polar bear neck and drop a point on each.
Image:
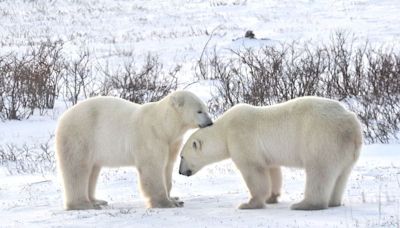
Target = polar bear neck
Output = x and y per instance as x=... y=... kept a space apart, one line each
x=170 y=127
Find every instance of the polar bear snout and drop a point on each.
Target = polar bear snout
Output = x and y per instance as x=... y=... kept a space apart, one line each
x=204 y=119
x=186 y=173
x=208 y=123
x=183 y=168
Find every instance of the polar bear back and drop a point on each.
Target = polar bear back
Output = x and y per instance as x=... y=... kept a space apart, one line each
x=291 y=133
x=93 y=123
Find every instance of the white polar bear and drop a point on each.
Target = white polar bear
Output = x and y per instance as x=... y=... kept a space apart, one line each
x=112 y=132
x=313 y=133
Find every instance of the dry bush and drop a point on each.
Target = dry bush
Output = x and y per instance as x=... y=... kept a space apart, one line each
x=78 y=79
x=30 y=81
x=28 y=159
x=379 y=96
x=13 y=89
x=149 y=83
x=44 y=74
x=263 y=77
x=366 y=79
x=33 y=80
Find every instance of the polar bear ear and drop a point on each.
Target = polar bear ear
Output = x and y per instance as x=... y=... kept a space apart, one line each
x=196 y=144
x=177 y=101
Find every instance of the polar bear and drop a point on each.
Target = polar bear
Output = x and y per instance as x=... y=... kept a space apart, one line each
x=313 y=133
x=111 y=132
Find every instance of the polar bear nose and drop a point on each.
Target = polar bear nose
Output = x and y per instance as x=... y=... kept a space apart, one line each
x=208 y=123
x=186 y=172
x=183 y=169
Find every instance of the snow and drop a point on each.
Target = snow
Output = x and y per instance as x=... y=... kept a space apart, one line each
x=211 y=197
x=177 y=30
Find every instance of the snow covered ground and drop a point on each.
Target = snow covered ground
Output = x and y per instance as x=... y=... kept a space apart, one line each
x=211 y=197
x=177 y=31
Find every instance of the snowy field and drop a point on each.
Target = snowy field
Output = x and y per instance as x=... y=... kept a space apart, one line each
x=211 y=197
x=177 y=31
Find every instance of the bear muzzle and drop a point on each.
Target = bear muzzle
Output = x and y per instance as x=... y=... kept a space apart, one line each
x=183 y=169
x=186 y=172
x=206 y=124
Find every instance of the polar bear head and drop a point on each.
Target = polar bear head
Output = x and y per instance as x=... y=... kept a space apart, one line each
x=192 y=111
x=204 y=146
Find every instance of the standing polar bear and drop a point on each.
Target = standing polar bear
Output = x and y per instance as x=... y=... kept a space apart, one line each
x=112 y=132
x=313 y=133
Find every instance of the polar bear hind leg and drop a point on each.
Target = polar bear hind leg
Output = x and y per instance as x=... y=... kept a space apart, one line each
x=276 y=184
x=320 y=182
x=352 y=142
x=94 y=174
x=76 y=188
x=340 y=185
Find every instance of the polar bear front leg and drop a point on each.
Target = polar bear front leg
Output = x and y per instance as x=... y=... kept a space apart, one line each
x=257 y=180
x=168 y=182
x=276 y=184
x=152 y=184
x=173 y=153
x=168 y=177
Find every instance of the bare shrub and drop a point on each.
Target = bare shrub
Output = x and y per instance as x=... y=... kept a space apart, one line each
x=265 y=76
x=380 y=95
x=366 y=79
x=28 y=159
x=33 y=80
x=44 y=73
x=78 y=80
x=14 y=97
x=149 y=83
x=30 y=81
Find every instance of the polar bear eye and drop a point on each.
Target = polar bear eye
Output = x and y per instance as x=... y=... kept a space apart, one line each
x=199 y=112
x=197 y=145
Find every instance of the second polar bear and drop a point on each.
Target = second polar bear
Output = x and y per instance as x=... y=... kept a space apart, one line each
x=111 y=132
x=313 y=133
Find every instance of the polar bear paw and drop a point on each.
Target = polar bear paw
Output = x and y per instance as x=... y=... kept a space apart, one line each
x=335 y=204
x=272 y=199
x=165 y=204
x=82 y=206
x=304 y=205
x=98 y=202
x=252 y=205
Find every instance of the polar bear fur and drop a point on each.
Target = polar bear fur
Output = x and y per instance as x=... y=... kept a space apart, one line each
x=111 y=132
x=313 y=133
